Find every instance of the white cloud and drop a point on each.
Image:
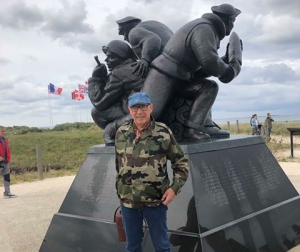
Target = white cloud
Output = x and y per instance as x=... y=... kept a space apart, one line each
x=55 y=41
x=278 y=29
x=20 y=15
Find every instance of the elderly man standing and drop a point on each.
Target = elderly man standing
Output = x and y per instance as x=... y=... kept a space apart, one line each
x=189 y=57
x=143 y=147
x=5 y=156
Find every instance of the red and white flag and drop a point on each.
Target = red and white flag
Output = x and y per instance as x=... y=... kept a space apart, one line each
x=76 y=95
x=82 y=88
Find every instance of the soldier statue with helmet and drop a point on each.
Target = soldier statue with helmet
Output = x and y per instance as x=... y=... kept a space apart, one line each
x=109 y=92
x=179 y=67
x=147 y=38
x=189 y=57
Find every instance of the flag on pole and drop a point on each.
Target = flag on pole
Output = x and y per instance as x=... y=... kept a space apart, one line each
x=87 y=86
x=76 y=95
x=82 y=89
x=52 y=89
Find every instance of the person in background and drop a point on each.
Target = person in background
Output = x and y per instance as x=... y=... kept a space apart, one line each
x=5 y=156
x=143 y=147
x=255 y=125
x=268 y=125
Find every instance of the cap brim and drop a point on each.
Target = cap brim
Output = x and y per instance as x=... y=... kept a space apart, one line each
x=215 y=9
x=139 y=103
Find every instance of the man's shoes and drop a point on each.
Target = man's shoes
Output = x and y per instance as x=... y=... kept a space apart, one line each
x=190 y=134
x=216 y=133
x=9 y=195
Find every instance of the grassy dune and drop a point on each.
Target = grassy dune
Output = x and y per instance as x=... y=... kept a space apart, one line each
x=64 y=148
x=62 y=151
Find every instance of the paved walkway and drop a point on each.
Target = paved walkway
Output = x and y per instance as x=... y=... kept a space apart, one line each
x=24 y=220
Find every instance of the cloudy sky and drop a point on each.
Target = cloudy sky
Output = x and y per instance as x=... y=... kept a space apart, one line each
x=55 y=41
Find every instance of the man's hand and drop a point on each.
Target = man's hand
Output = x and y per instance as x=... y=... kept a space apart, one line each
x=100 y=71
x=168 y=196
x=141 y=69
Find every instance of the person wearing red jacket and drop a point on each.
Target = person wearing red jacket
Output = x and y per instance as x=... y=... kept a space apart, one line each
x=5 y=157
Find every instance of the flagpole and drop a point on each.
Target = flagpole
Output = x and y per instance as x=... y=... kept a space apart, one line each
x=75 y=114
x=50 y=110
x=74 y=110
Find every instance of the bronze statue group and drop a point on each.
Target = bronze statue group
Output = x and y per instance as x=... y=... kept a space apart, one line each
x=161 y=76
x=172 y=68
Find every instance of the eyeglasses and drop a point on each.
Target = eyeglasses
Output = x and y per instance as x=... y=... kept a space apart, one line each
x=136 y=108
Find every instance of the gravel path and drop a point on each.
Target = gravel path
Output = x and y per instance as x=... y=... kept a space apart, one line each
x=24 y=220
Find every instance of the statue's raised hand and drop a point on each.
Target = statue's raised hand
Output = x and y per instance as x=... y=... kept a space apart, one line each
x=100 y=71
x=141 y=68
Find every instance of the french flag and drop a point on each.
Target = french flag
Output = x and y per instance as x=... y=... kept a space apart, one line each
x=52 y=89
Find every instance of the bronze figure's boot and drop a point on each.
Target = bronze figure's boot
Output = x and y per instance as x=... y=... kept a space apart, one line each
x=190 y=134
x=212 y=129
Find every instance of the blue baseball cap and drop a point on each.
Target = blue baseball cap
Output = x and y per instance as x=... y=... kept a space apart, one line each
x=138 y=98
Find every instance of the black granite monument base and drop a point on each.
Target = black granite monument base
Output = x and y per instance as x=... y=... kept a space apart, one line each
x=237 y=198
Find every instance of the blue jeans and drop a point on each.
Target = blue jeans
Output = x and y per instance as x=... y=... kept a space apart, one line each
x=156 y=218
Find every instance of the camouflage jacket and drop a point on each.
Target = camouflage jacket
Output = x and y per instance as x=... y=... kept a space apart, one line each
x=141 y=164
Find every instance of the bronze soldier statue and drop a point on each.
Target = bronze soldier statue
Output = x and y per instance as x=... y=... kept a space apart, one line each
x=189 y=57
x=180 y=65
x=109 y=93
x=147 y=39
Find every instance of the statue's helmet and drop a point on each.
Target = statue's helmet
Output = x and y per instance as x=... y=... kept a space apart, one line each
x=127 y=20
x=225 y=10
x=120 y=48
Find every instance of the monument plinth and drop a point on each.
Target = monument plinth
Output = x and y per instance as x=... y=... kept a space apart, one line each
x=237 y=198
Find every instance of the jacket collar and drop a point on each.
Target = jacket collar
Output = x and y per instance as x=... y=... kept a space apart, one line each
x=217 y=24
x=125 y=62
x=146 y=133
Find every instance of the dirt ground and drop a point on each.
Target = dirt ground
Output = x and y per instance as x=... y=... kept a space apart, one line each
x=286 y=154
x=24 y=220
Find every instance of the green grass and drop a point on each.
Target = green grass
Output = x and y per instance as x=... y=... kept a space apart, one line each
x=64 y=148
x=62 y=151
x=278 y=129
x=245 y=128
